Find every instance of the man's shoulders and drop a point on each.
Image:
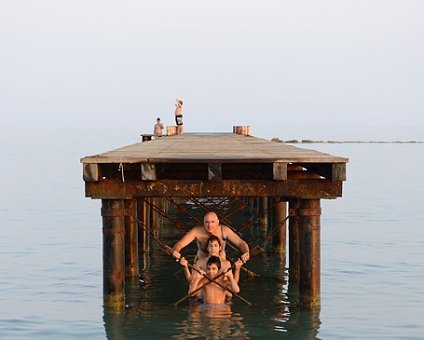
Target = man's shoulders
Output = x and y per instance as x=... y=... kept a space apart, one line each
x=225 y=227
x=197 y=230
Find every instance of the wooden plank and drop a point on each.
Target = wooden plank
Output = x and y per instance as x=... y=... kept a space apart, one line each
x=338 y=172
x=148 y=172
x=226 y=188
x=215 y=171
x=91 y=172
x=280 y=171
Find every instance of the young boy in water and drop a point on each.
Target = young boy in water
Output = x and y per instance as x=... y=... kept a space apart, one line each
x=213 y=293
x=214 y=248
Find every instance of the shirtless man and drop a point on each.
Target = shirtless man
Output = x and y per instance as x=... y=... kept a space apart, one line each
x=179 y=115
x=202 y=233
x=213 y=293
x=157 y=129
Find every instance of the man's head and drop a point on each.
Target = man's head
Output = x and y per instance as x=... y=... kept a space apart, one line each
x=158 y=119
x=210 y=222
x=213 y=266
x=214 y=245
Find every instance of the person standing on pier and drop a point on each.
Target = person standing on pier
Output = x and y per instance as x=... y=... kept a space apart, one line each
x=201 y=235
x=179 y=115
x=158 y=128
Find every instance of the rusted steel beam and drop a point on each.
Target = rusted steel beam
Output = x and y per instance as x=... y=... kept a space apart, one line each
x=143 y=220
x=307 y=189
x=131 y=239
x=294 y=240
x=264 y=212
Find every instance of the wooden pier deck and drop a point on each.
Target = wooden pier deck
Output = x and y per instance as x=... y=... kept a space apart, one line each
x=212 y=147
x=217 y=157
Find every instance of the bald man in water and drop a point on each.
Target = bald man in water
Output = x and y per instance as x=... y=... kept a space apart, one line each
x=202 y=233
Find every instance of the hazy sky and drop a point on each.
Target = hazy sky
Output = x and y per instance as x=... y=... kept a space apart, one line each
x=275 y=65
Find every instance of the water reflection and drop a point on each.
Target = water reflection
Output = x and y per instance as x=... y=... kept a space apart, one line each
x=212 y=322
x=150 y=312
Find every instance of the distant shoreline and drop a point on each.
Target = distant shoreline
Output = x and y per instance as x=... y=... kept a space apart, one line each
x=309 y=141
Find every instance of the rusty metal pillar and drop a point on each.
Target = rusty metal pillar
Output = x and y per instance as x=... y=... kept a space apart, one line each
x=152 y=213
x=113 y=253
x=280 y=213
x=131 y=239
x=143 y=217
x=159 y=201
x=310 y=258
x=263 y=212
x=294 y=243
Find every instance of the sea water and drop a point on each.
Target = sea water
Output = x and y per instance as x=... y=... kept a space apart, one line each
x=372 y=241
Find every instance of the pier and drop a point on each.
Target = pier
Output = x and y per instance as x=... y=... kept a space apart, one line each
x=136 y=183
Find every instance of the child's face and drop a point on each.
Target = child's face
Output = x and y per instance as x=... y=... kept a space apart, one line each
x=214 y=248
x=212 y=270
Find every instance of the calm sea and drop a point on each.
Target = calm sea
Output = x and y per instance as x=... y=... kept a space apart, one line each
x=372 y=255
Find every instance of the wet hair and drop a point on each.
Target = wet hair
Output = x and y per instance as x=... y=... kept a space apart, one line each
x=214 y=238
x=214 y=260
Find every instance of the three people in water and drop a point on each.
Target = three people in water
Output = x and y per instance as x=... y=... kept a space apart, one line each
x=211 y=260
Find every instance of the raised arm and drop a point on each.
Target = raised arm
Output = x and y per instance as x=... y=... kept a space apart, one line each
x=237 y=268
x=186 y=240
x=232 y=284
x=198 y=280
x=187 y=272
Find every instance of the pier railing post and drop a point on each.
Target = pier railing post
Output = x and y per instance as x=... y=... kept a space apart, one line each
x=113 y=253
x=310 y=256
